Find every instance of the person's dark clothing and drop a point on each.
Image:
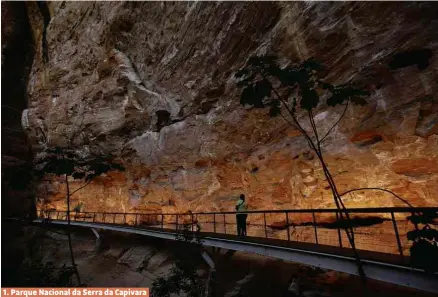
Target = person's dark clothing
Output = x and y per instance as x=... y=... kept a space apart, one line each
x=241 y=218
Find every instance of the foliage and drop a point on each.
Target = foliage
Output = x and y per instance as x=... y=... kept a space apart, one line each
x=426 y=217
x=183 y=277
x=61 y=161
x=35 y=273
x=424 y=249
x=266 y=84
x=299 y=90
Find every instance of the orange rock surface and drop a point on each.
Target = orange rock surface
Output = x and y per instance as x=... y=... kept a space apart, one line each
x=154 y=84
x=415 y=167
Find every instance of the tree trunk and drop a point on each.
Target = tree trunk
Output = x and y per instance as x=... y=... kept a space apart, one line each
x=339 y=204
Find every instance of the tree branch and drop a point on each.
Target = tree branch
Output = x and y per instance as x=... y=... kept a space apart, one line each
x=315 y=131
x=334 y=125
x=379 y=189
x=289 y=122
x=80 y=188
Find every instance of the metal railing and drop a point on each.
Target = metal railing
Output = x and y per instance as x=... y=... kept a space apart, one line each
x=375 y=229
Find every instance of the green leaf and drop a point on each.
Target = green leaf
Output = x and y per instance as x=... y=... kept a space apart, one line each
x=262 y=61
x=247 y=95
x=90 y=176
x=274 y=110
x=253 y=95
x=335 y=99
x=345 y=92
x=263 y=88
x=78 y=175
x=425 y=233
x=326 y=86
x=312 y=64
x=64 y=166
x=309 y=98
x=241 y=73
x=358 y=101
x=424 y=218
x=118 y=167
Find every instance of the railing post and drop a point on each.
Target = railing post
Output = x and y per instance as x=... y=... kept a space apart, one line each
x=136 y=219
x=314 y=227
x=94 y=217
x=114 y=219
x=57 y=215
x=124 y=218
x=162 y=221
x=287 y=224
x=339 y=231
x=225 y=225
x=191 y=217
x=264 y=219
x=214 y=223
x=103 y=217
x=400 y=250
x=176 y=222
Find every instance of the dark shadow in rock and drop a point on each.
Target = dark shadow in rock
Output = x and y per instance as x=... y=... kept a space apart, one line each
x=163 y=118
x=44 y=9
x=354 y=222
x=418 y=57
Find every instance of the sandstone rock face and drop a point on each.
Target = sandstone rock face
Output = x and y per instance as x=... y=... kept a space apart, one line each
x=154 y=84
x=414 y=167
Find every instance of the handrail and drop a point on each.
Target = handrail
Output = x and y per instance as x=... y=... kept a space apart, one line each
x=310 y=210
x=310 y=228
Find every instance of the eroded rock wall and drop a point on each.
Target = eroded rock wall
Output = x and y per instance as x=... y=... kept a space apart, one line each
x=17 y=54
x=154 y=83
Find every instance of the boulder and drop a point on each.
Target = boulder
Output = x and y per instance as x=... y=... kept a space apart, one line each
x=137 y=257
x=156 y=261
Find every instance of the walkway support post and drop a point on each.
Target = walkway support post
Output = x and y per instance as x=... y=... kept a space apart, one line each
x=98 y=245
x=314 y=227
x=210 y=288
x=339 y=231
x=400 y=249
x=225 y=225
x=287 y=224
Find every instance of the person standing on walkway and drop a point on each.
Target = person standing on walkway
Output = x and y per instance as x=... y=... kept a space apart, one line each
x=241 y=217
x=78 y=208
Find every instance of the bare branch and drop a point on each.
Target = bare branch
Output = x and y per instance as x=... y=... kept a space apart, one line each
x=80 y=188
x=379 y=189
x=315 y=130
x=334 y=125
